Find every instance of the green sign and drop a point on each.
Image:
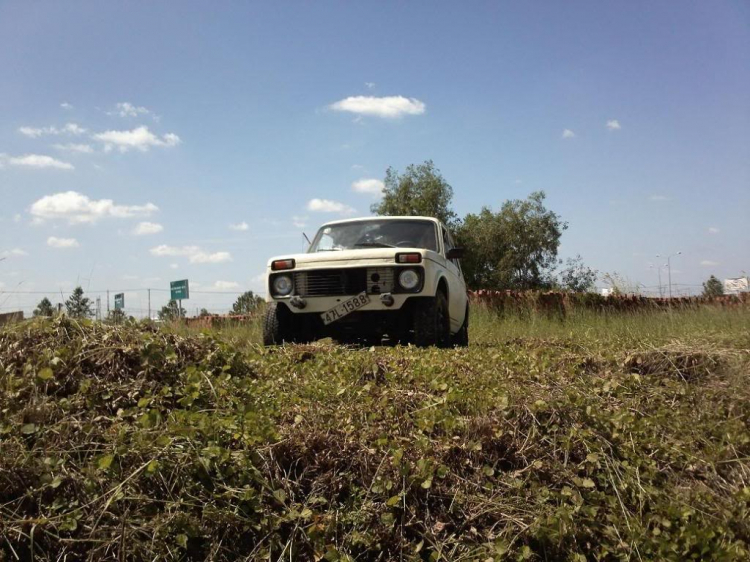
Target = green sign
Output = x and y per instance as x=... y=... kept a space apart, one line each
x=179 y=290
x=119 y=301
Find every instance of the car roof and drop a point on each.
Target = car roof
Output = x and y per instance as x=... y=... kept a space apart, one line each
x=360 y=219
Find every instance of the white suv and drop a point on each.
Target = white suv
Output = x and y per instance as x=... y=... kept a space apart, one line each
x=365 y=279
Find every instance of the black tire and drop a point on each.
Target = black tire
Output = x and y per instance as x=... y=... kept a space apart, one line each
x=432 y=322
x=461 y=338
x=277 y=325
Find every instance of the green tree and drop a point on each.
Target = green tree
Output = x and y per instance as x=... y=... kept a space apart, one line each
x=420 y=191
x=204 y=312
x=44 y=308
x=713 y=287
x=576 y=277
x=171 y=311
x=116 y=316
x=515 y=248
x=246 y=303
x=78 y=306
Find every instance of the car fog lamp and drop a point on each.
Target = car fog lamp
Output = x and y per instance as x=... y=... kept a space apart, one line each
x=282 y=285
x=408 y=279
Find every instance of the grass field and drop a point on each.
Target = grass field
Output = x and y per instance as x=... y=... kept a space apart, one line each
x=620 y=437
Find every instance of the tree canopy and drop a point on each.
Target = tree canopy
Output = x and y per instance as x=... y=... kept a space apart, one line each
x=420 y=191
x=44 y=308
x=246 y=303
x=172 y=311
x=78 y=306
x=514 y=248
x=576 y=277
x=713 y=287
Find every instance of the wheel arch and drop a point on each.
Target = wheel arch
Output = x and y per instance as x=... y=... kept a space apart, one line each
x=442 y=285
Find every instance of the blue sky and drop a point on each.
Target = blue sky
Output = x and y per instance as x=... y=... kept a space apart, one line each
x=132 y=135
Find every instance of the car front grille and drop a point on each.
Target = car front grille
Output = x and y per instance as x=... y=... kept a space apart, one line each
x=336 y=282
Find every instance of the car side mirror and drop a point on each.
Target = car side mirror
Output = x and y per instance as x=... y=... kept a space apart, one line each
x=455 y=254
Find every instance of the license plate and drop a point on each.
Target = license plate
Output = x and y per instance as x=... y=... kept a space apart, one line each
x=344 y=308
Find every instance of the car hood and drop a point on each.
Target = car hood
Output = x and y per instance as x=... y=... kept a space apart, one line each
x=344 y=258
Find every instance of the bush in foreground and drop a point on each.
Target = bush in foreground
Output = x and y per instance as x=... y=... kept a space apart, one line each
x=132 y=443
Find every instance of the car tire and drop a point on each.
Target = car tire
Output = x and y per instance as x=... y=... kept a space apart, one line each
x=461 y=338
x=277 y=325
x=432 y=322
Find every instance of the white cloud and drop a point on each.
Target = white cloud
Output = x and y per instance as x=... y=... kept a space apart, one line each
x=613 y=125
x=139 y=138
x=659 y=198
x=73 y=129
x=328 y=206
x=55 y=242
x=38 y=161
x=14 y=253
x=371 y=186
x=568 y=134
x=389 y=107
x=145 y=228
x=370 y=85
x=713 y=230
x=17 y=218
x=709 y=263
x=240 y=226
x=299 y=222
x=226 y=285
x=72 y=147
x=77 y=208
x=66 y=105
x=68 y=129
x=193 y=253
x=126 y=109
x=164 y=250
x=173 y=265
x=216 y=257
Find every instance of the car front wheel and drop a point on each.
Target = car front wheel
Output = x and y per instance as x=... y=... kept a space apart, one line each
x=431 y=322
x=461 y=338
x=277 y=325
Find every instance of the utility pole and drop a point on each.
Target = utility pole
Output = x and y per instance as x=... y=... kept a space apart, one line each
x=658 y=269
x=149 y=304
x=107 y=302
x=669 y=270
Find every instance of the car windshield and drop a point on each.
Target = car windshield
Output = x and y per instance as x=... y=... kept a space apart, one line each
x=361 y=235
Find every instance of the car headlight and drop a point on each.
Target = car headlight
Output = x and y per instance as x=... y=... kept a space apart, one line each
x=408 y=279
x=282 y=285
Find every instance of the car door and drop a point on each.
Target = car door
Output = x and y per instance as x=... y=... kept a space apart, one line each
x=456 y=284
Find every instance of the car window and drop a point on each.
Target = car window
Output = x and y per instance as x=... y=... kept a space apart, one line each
x=376 y=234
x=447 y=242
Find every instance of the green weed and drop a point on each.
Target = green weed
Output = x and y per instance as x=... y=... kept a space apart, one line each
x=559 y=440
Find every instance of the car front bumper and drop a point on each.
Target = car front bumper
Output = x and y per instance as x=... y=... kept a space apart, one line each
x=306 y=305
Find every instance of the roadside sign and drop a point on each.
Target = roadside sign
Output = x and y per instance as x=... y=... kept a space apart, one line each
x=119 y=301
x=737 y=285
x=179 y=290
